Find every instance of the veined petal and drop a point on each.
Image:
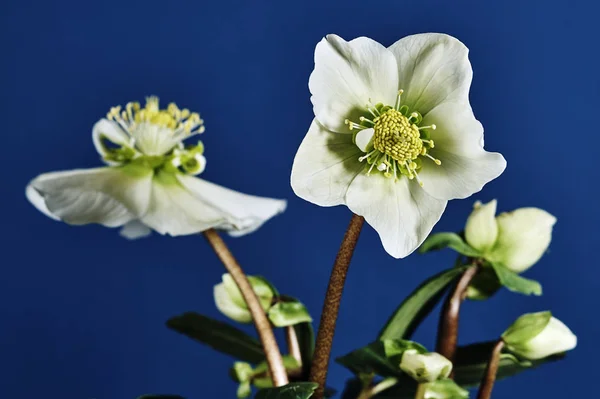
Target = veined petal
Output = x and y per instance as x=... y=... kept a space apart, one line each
x=324 y=166
x=111 y=131
x=466 y=167
x=401 y=212
x=108 y=196
x=523 y=237
x=347 y=75
x=433 y=68
x=481 y=230
x=135 y=229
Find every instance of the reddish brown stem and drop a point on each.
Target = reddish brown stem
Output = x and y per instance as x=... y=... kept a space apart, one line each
x=261 y=322
x=487 y=383
x=448 y=329
x=331 y=305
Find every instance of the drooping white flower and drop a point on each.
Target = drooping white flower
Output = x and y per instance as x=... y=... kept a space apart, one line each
x=516 y=239
x=150 y=182
x=425 y=367
x=394 y=137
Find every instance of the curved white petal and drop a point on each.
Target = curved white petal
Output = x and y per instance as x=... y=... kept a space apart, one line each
x=401 y=212
x=182 y=204
x=324 y=166
x=481 y=230
x=466 y=167
x=37 y=200
x=111 y=131
x=364 y=139
x=347 y=75
x=433 y=68
x=135 y=229
x=523 y=237
x=108 y=196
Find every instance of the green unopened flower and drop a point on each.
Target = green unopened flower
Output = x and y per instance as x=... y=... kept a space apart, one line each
x=149 y=183
x=516 y=239
x=230 y=302
x=425 y=367
x=441 y=389
x=539 y=335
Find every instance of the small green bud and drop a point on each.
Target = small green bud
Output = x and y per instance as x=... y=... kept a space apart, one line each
x=244 y=390
x=425 y=367
x=481 y=230
x=441 y=389
x=230 y=302
x=538 y=335
x=242 y=371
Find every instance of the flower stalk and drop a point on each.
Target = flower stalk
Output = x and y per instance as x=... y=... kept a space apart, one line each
x=261 y=322
x=448 y=328
x=331 y=305
x=293 y=344
x=489 y=378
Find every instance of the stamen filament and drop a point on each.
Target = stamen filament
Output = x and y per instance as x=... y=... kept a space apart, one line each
x=432 y=127
x=437 y=161
x=398 y=99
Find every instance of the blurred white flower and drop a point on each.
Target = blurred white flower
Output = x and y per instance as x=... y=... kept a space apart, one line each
x=149 y=183
x=516 y=239
x=425 y=367
x=394 y=137
x=539 y=335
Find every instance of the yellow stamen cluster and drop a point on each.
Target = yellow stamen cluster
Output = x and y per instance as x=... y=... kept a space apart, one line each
x=397 y=137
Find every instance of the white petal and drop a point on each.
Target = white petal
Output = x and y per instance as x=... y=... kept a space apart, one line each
x=466 y=167
x=108 y=196
x=111 y=131
x=182 y=204
x=523 y=237
x=134 y=230
x=481 y=230
x=433 y=68
x=401 y=212
x=347 y=75
x=37 y=200
x=555 y=338
x=324 y=166
x=364 y=139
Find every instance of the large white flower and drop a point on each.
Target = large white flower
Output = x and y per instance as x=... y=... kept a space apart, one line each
x=149 y=183
x=394 y=137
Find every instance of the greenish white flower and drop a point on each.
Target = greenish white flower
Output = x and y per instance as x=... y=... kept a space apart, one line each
x=231 y=303
x=441 y=389
x=425 y=367
x=394 y=136
x=149 y=183
x=539 y=335
x=516 y=239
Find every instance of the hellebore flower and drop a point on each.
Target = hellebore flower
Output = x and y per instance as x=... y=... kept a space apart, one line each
x=394 y=137
x=425 y=367
x=150 y=182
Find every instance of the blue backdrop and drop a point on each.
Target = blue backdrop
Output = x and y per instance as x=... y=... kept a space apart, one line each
x=83 y=310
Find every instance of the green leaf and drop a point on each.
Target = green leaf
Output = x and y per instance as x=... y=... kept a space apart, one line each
x=295 y=390
x=306 y=340
x=516 y=283
x=288 y=362
x=448 y=240
x=244 y=390
x=284 y=314
x=419 y=304
x=218 y=335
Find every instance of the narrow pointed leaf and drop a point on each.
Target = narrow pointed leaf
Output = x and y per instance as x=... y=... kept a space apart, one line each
x=516 y=283
x=219 y=336
x=448 y=240
x=295 y=390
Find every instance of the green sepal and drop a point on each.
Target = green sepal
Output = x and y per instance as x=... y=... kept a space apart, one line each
x=448 y=240
x=526 y=327
x=294 y=390
x=244 y=390
x=284 y=314
x=241 y=371
x=516 y=283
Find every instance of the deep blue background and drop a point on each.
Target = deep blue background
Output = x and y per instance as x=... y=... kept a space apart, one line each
x=82 y=309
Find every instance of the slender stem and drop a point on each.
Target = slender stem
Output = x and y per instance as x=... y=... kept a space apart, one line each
x=384 y=384
x=420 y=392
x=293 y=344
x=263 y=327
x=448 y=328
x=331 y=305
x=487 y=383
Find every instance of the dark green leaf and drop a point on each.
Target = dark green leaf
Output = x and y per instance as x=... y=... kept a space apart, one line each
x=418 y=305
x=218 y=335
x=448 y=240
x=295 y=390
x=306 y=340
x=516 y=283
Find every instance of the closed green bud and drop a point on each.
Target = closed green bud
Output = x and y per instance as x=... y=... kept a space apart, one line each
x=539 y=335
x=441 y=389
x=425 y=367
x=230 y=302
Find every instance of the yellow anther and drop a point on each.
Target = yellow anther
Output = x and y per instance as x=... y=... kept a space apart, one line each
x=437 y=162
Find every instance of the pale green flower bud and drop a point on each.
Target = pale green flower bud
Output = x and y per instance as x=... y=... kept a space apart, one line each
x=481 y=230
x=539 y=335
x=230 y=302
x=441 y=389
x=425 y=367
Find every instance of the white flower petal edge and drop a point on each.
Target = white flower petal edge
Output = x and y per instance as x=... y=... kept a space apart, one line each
x=402 y=213
x=347 y=75
x=324 y=166
x=135 y=229
x=465 y=166
x=111 y=131
x=433 y=68
x=182 y=204
x=108 y=196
